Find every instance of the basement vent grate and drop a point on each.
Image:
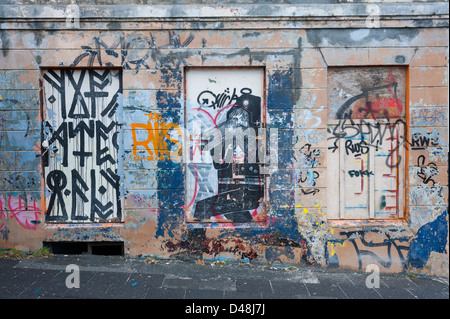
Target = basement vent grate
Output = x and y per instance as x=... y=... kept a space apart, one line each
x=92 y=248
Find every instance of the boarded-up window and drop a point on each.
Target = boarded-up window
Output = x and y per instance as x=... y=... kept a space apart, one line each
x=80 y=145
x=366 y=136
x=225 y=115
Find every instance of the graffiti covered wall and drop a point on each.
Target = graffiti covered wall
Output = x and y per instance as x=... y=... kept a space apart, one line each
x=201 y=134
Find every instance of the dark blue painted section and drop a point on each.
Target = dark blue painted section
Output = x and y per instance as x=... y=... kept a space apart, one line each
x=166 y=99
x=282 y=223
x=430 y=237
x=170 y=182
x=279 y=98
x=170 y=200
x=281 y=220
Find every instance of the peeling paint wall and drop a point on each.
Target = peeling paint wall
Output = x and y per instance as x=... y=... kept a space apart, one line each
x=288 y=218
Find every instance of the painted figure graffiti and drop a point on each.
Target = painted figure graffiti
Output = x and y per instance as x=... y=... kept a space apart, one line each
x=240 y=188
x=225 y=181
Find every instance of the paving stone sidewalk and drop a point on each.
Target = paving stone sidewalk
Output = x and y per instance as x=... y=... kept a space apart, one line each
x=115 y=277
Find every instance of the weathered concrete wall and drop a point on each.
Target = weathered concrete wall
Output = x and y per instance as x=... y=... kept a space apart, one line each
x=152 y=49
